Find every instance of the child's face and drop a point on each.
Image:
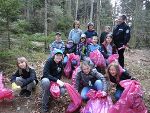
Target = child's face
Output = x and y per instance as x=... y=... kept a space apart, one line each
x=58 y=58
x=22 y=64
x=86 y=69
x=94 y=40
x=77 y=24
x=91 y=27
x=108 y=40
x=82 y=39
x=113 y=71
x=58 y=37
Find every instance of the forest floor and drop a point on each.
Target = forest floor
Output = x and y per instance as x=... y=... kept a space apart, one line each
x=137 y=63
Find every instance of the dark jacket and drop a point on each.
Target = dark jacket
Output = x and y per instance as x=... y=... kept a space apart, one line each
x=103 y=36
x=52 y=70
x=121 y=35
x=70 y=50
x=90 y=33
x=125 y=75
x=83 y=80
x=29 y=75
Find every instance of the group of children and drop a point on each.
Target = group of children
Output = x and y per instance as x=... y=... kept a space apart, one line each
x=87 y=76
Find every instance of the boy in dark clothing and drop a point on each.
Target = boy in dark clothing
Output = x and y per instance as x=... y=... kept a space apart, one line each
x=52 y=72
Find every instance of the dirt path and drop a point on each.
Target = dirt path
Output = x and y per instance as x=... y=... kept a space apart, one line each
x=137 y=62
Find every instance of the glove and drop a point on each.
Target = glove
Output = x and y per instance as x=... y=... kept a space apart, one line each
x=15 y=87
x=104 y=94
x=60 y=83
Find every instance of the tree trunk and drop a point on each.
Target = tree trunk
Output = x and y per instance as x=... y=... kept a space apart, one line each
x=28 y=10
x=8 y=34
x=45 y=23
x=98 y=16
x=77 y=3
x=91 y=13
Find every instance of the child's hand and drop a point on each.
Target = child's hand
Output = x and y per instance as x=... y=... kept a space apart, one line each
x=60 y=83
x=15 y=87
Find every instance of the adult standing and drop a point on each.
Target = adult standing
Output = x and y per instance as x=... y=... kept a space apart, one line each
x=121 y=36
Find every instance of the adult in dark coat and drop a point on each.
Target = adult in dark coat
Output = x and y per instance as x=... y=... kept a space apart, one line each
x=121 y=36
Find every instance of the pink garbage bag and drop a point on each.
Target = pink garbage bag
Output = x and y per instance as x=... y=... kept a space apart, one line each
x=75 y=99
x=74 y=75
x=113 y=57
x=5 y=93
x=68 y=69
x=98 y=103
x=131 y=99
x=97 y=58
x=54 y=90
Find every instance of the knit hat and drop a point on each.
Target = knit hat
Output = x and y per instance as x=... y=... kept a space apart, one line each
x=57 y=51
x=58 y=33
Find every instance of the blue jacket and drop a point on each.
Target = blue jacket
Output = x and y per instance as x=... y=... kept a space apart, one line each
x=75 y=35
x=91 y=47
x=57 y=45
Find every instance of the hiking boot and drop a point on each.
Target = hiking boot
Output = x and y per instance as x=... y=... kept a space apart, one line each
x=22 y=92
x=45 y=108
x=28 y=93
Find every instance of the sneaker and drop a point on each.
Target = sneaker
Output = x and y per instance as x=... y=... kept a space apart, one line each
x=28 y=93
x=45 y=108
x=22 y=92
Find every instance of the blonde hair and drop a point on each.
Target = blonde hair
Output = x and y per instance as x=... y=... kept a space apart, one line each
x=76 y=22
x=116 y=66
x=22 y=59
x=86 y=63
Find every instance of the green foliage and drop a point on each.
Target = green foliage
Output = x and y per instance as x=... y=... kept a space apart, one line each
x=64 y=25
x=20 y=26
x=9 y=8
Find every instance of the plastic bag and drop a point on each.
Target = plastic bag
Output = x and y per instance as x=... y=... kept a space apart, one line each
x=131 y=99
x=54 y=90
x=113 y=57
x=75 y=98
x=98 y=103
x=97 y=58
x=68 y=67
x=4 y=92
x=74 y=75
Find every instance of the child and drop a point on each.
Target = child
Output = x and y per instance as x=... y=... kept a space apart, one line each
x=108 y=46
x=90 y=32
x=75 y=33
x=69 y=48
x=115 y=76
x=25 y=77
x=94 y=46
x=107 y=30
x=52 y=72
x=81 y=47
x=88 y=78
x=58 y=43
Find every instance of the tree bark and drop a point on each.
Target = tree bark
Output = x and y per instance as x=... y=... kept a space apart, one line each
x=91 y=13
x=45 y=24
x=77 y=3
